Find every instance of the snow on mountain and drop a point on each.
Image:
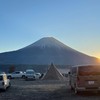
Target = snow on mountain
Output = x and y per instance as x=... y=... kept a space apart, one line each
x=48 y=42
x=45 y=51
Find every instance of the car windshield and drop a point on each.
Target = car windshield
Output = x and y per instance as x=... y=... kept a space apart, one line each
x=30 y=72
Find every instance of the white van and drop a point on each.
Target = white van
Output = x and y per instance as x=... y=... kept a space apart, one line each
x=4 y=82
x=85 y=78
x=30 y=74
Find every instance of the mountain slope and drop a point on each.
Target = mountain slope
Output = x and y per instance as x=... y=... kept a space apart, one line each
x=45 y=51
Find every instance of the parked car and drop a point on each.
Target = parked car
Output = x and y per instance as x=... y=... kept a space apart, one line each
x=37 y=75
x=30 y=74
x=16 y=74
x=4 y=81
x=85 y=78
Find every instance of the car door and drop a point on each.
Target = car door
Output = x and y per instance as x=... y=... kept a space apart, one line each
x=15 y=74
x=18 y=74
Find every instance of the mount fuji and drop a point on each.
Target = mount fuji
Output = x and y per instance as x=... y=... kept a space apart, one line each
x=45 y=51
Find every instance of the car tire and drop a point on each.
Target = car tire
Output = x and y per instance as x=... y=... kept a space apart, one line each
x=9 y=77
x=76 y=91
x=23 y=76
x=71 y=88
x=26 y=78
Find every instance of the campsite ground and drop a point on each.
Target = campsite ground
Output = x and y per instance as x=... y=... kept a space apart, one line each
x=43 y=90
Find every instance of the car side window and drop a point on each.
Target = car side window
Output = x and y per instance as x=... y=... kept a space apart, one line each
x=14 y=73
x=17 y=72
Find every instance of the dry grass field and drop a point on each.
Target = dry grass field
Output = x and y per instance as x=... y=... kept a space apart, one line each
x=43 y=90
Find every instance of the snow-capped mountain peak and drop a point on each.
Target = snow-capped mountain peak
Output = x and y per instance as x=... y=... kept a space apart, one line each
x=47 y=42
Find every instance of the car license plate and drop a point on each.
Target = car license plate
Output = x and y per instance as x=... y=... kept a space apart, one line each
x=90 y=82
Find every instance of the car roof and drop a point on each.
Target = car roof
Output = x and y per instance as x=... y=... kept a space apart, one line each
x=29 y=70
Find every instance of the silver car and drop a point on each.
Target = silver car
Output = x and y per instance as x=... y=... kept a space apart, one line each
x=16 y=74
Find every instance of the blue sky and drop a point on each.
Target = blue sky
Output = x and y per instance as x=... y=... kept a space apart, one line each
x=76 y=23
